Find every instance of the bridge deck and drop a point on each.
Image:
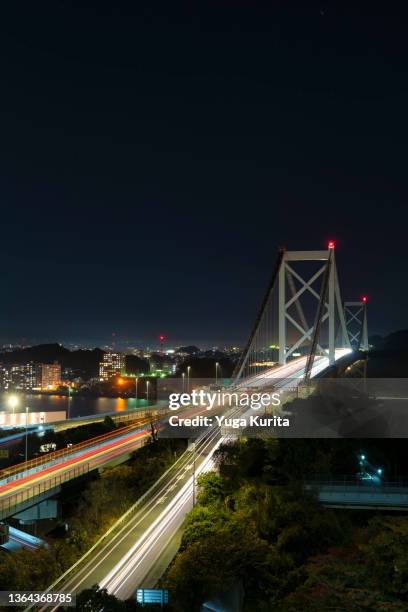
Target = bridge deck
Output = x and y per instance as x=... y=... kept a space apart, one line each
x=359 y=495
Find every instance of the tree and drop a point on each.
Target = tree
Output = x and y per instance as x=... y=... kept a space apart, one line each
x=95 y=598
x=215 y=564
x=27 y=570
x=386 y=553
x=200 y=523
x=108 y=423
x=211 y=488
x=338 y=580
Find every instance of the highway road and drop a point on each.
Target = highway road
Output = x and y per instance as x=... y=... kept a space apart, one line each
x=291 y=373
x=122 y=560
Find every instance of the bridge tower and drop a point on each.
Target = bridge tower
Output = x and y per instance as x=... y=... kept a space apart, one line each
x=282 y=321
x=355 y=314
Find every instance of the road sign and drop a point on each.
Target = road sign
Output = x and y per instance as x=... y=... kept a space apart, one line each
x=152 y=596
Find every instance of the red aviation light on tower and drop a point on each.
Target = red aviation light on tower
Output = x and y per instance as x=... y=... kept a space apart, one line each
x=331 y=244
x=364 y=299
x=162 y=339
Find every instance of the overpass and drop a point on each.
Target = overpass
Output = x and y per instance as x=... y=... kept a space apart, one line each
x=360 y=495
x=28 y=483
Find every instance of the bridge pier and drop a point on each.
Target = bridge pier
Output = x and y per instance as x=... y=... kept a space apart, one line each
x=46 y=509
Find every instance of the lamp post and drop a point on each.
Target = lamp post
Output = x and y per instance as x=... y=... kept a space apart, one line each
x=136 y=382
x=362 y=461
x=69 y=401
x=217 y=365
x=192 y=447
x=26 y=433
x=147 y=390
x=12 y=401
x=194 y=478
x=188 y=378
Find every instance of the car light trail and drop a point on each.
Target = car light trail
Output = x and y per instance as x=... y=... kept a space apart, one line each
x=135 y=556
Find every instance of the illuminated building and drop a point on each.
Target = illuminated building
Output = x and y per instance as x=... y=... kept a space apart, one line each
x=20 y=376
x=161 y=363
x=48 y=376
x=111 y=365
x=4 y=377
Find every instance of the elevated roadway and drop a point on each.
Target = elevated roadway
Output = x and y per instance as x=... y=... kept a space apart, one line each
x=291 y=373
x=360 y=495
x=30 y=482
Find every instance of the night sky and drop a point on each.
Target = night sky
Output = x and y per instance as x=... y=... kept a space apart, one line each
x=155 y=155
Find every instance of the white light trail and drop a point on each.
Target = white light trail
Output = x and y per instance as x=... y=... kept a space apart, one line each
x=115 y=579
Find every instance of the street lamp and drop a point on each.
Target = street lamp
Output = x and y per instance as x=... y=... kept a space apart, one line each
x=194 y=476
x=147 y=390
x=26 y=433
x=192 y=447
x=12 y=402
x=217 y=365
x=136 y=381
x=188 y=378
x=183 y=375
x=69 y=401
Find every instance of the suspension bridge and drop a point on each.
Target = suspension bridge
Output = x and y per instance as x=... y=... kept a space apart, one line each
x=303 y=326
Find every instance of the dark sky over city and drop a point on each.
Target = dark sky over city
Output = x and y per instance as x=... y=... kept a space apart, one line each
x=154 y=156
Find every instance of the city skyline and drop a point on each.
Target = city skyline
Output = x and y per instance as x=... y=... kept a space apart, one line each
x=121 y=345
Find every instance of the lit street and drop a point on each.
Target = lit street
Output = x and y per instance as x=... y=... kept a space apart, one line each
x=131 y=551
